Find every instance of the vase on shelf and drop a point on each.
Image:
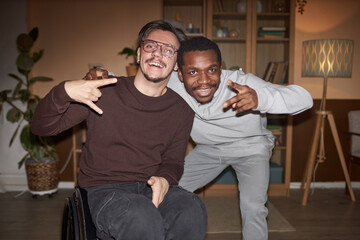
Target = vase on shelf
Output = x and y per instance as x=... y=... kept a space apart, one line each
x=241 y=6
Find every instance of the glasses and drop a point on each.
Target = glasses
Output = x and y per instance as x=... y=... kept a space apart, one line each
x=167 y=50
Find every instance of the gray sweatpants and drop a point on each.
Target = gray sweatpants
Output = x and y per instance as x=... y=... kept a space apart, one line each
x=201 y=167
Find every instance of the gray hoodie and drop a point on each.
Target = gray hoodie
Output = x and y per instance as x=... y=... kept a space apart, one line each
x=223 y=132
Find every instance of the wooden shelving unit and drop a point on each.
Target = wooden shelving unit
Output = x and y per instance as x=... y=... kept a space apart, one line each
x=187 y=12
x=253 y=53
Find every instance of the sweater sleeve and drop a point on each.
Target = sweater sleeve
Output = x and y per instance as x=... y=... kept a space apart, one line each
x=278 y=99
x=56 y=112
x=274 y=98
x=172 y=166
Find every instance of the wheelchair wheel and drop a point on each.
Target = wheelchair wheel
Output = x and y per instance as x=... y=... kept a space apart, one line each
x=70 y=225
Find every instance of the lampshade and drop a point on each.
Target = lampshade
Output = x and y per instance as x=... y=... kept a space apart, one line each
x=327 y=57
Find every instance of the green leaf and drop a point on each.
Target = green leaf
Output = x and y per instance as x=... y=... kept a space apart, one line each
x=24 y=95
x=128 y=52
x=17 y=89
x=4 y=95
x=27 y=139
x=28 y=115
x=24 y=42
x=37 y=153
x=34 y=33
x=37 y=98
x=14 y=135
x=37 y=55
x=25 y=62
x=23 y=160
x=40 y=79
x=16 y=77
x=13 y=115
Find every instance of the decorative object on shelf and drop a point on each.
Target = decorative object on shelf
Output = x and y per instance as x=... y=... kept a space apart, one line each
x=222 y=32
x=191 y=29
x=219 y=32
x=300 y=4
x=259 y=7
x=241 y=6
x=234 y=33
x=326 y=58
x=41 y=161
x=131 y=69
x=279 y=6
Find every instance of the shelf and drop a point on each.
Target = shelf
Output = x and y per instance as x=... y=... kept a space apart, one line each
x=229 y=39
x=183 y=2
x=195 y=34
x=186 y=12
x=229 y=15
x=272 y=40
x=272 y=15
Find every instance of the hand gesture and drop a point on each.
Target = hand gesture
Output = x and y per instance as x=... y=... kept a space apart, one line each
x=245 y=99
x=160 y=187
x=87 y=92
x=96 y=73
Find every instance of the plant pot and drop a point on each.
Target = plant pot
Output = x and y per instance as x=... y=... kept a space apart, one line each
x=43 y=177
x=131 y=70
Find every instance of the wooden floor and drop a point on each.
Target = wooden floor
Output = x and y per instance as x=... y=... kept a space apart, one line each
x=329 y=215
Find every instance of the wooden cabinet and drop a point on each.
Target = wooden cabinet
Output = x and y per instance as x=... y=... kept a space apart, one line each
x=189 y=15
x=251 y=34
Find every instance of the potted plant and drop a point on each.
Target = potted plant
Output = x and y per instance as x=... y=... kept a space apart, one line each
x=41 y=161
x=131 y=69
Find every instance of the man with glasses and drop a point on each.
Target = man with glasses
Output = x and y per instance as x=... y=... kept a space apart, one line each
x=134 y=154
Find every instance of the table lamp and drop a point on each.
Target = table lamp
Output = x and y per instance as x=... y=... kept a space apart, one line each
x=326 y=58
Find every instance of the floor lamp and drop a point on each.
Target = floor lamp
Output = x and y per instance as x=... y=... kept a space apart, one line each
x=325 y=58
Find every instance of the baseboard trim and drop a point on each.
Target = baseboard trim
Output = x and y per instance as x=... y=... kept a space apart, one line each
x=297 y=185
x=18 y=183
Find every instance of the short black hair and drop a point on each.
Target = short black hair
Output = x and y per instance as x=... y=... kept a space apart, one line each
x=197 y=44
x=160 y=25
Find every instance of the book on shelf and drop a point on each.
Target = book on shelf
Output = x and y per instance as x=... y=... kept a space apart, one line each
x=271 y=32
x=277 y=132
x=273 y=28
x=276 y=72
x=273 y=72
x=279 y=72
x=268 y=71
x=220 y=5
x=284 y=73
x=276 y=157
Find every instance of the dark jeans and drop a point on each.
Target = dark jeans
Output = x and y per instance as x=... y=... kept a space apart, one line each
x=126 y=212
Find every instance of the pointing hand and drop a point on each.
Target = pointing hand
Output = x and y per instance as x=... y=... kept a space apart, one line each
x=245 y=99
x=87 y=92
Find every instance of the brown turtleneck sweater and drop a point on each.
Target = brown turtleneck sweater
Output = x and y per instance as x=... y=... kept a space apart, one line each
x=135 y=138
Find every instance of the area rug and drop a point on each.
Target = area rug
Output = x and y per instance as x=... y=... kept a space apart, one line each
x=224 y=216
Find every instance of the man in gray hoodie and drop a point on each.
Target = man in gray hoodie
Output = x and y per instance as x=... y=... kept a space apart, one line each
x=229 y=127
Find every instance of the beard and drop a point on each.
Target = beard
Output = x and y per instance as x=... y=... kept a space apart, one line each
x=155 y=80
x=158 y=79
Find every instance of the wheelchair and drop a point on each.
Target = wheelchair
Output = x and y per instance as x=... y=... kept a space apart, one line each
x=77 y=223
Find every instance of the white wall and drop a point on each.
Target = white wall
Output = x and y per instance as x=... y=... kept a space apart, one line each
x=12 y=22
